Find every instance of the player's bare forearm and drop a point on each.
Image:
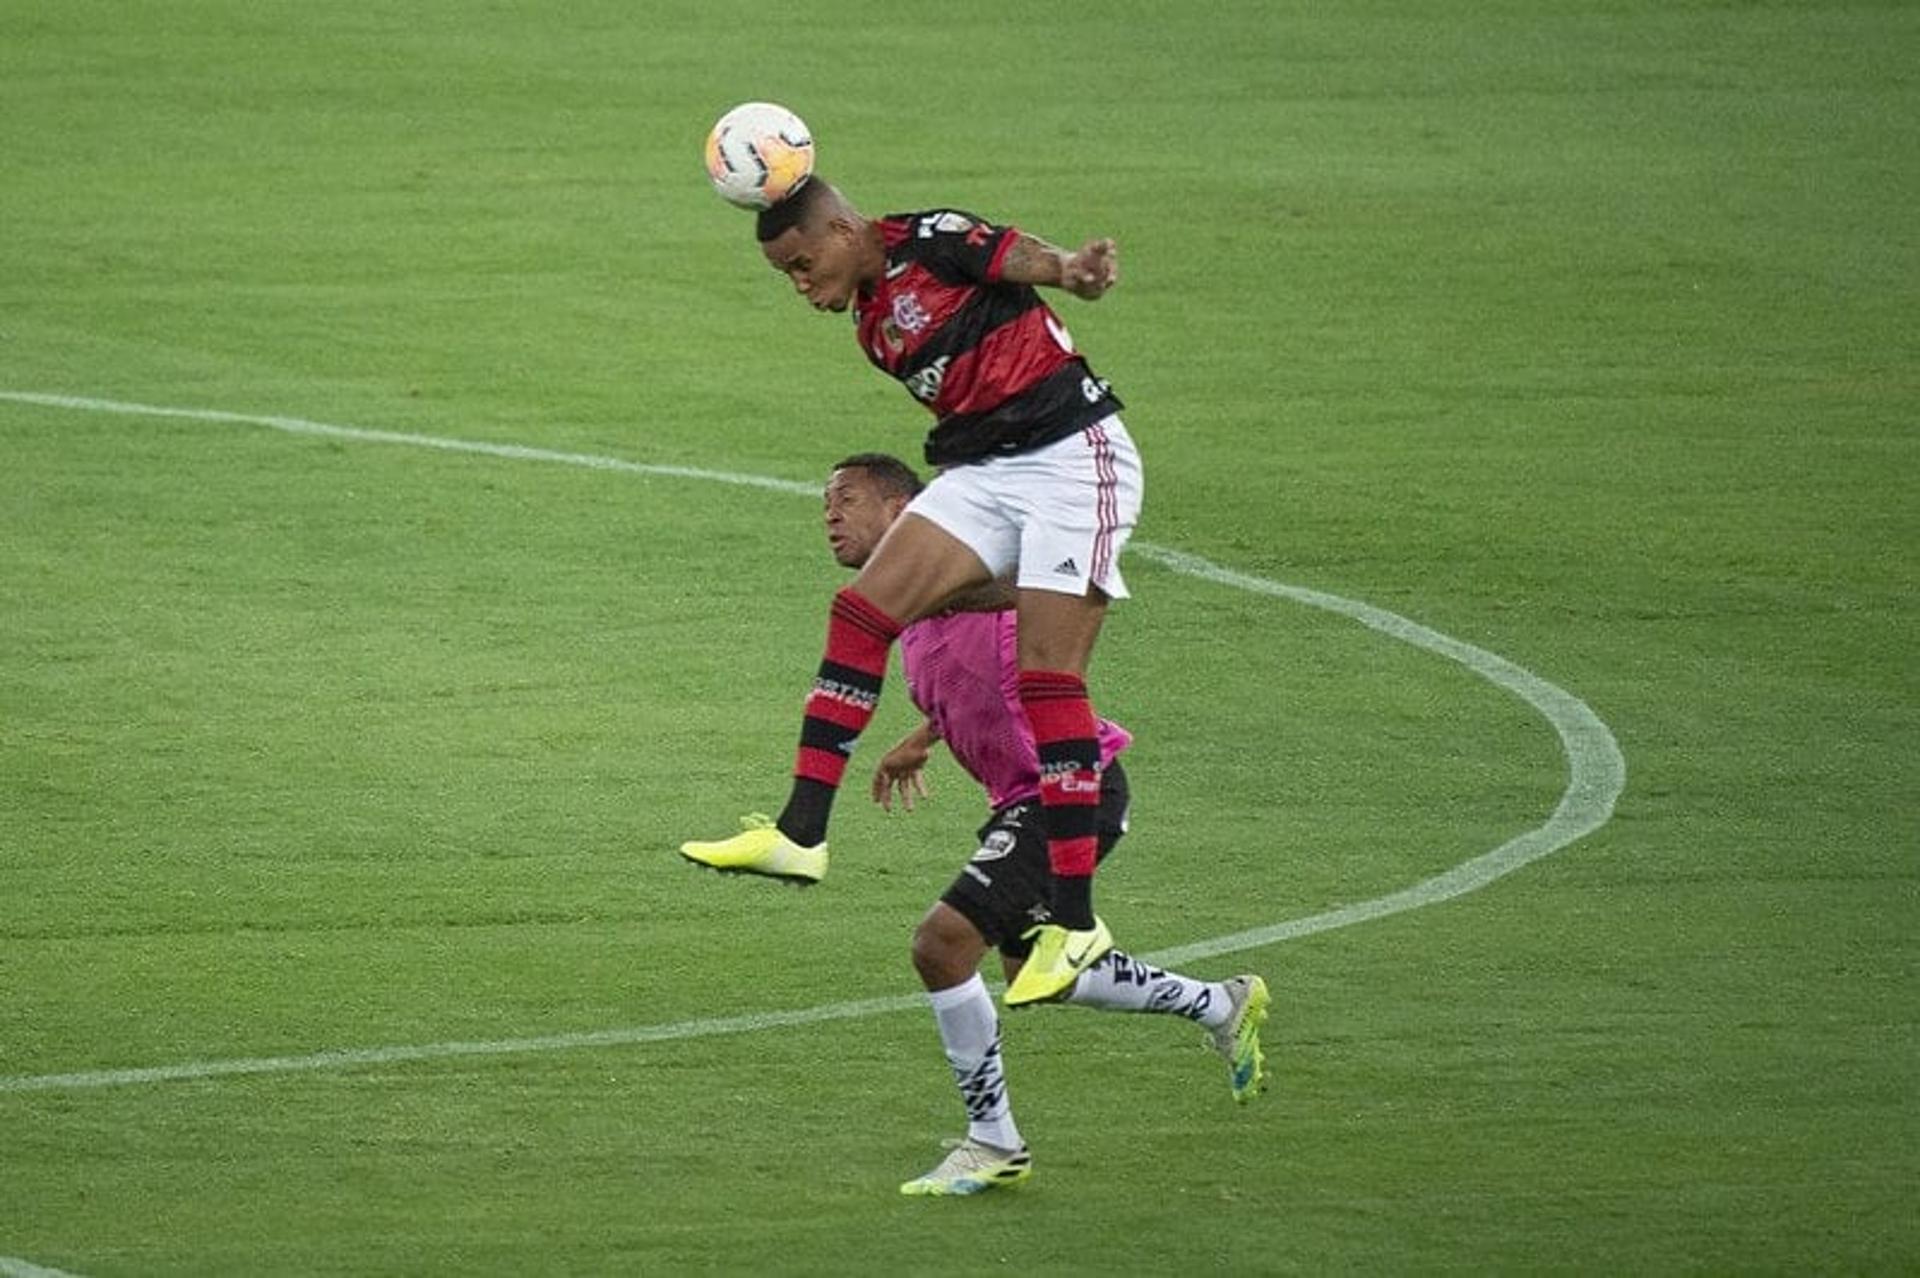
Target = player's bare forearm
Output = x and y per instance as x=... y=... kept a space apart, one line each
x=1031 y=260
x=1087 y=273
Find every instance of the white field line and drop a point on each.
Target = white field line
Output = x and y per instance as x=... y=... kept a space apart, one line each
x=343 y=1058
x=1597 y=775
x=1597 y=769
x=13 y=1267
x=511 y=452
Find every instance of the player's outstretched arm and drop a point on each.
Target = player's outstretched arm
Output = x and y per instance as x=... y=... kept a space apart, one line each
x=1086 y=273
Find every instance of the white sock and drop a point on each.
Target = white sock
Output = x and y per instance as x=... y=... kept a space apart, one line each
x=970 y=1031
x=1120 y=982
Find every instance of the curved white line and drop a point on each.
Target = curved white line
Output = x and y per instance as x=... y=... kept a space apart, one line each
x=340 y=1059
x=1598 y=769
x=512 y=452
x=13 y=1267
x=1598 y=776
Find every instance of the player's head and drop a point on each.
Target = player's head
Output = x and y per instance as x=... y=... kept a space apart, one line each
x=820 y=242
x=865 y=494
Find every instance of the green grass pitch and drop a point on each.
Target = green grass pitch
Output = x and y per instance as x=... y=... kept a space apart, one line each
x=1582 y=333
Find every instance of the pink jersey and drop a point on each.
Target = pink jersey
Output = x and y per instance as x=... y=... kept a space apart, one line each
x=963 y=673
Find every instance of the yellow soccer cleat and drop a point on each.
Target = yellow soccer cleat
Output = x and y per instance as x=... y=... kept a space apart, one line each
x=1059 y=956
x=760 y=848
x=1238 y=1041
x=972 y=1168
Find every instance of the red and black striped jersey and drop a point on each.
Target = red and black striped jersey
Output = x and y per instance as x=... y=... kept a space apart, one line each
x=988 y=357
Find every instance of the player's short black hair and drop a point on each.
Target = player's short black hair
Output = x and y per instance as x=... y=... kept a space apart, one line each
x=895 y=477
x=790 y=212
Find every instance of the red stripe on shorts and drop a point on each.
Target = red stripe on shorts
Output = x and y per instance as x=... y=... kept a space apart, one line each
x=1106 y=502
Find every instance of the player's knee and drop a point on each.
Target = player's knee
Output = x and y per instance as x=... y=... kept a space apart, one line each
x=932 y=956
x=942 y=954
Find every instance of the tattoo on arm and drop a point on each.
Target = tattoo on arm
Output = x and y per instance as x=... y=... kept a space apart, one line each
x=1031 y=260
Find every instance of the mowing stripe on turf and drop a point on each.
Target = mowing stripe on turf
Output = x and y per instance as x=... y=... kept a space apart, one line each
x=1597 y=775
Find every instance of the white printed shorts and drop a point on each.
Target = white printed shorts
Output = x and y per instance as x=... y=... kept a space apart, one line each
x=1061 y=514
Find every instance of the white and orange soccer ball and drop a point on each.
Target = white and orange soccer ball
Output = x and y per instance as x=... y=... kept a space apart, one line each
x=758 y=154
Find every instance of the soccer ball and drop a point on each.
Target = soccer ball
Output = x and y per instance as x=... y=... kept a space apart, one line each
x=758 y=154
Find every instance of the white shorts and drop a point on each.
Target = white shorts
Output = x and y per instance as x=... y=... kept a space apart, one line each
x=1060 y=514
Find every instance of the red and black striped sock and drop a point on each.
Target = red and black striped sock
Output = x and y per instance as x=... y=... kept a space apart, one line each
x=1063 y=729
x=838 y=709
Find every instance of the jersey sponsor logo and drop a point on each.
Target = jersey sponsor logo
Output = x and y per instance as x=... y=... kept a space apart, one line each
x=925 y=384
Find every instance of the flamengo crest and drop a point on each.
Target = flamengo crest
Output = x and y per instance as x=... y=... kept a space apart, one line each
x=909 y=314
